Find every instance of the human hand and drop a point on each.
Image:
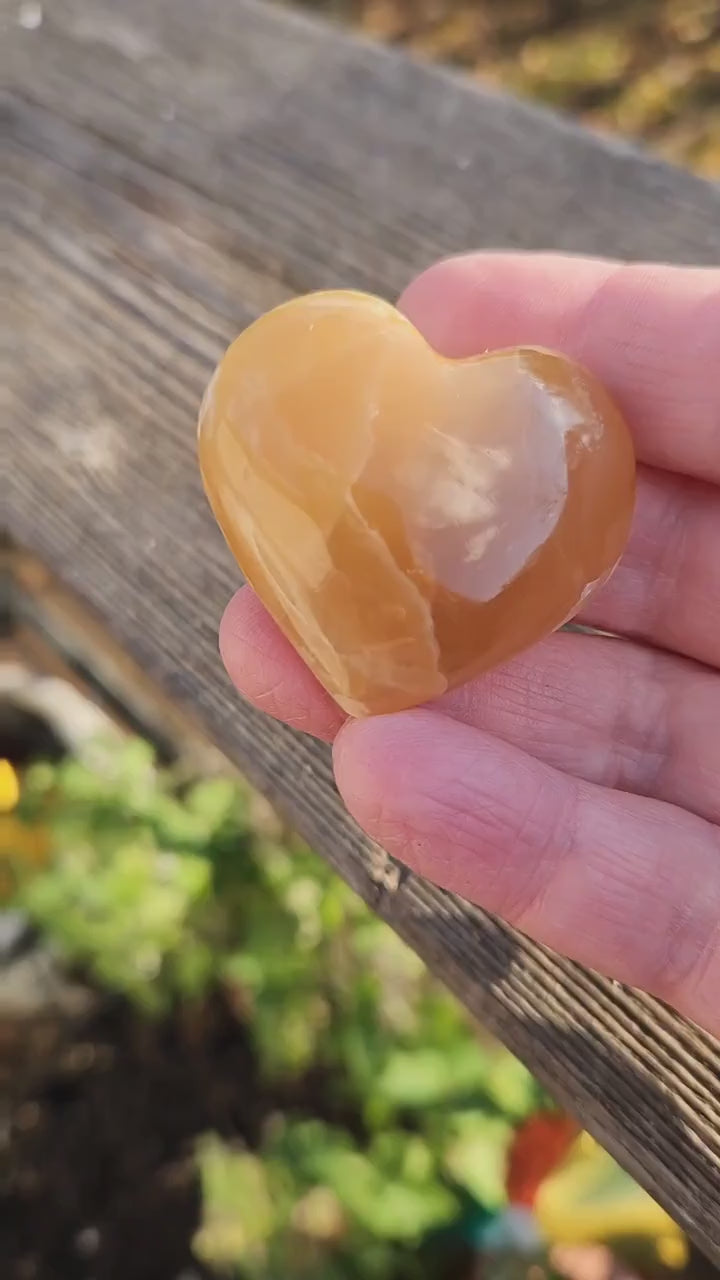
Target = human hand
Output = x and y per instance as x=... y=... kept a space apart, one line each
x=575 y=791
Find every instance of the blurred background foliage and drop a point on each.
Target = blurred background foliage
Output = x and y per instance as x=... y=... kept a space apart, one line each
x=387 y=1133
x=649 y=69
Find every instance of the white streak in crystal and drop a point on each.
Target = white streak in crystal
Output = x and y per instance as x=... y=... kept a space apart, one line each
x=485 y=504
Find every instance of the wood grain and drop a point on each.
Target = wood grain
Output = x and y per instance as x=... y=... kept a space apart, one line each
x=174 y=168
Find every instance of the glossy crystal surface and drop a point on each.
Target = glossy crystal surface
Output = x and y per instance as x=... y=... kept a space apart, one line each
x=408 y=520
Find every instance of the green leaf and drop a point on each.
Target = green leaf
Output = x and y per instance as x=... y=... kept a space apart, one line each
x=240 y=1210
x=475 y=1156
x=427 y=1076
x=387 y=1207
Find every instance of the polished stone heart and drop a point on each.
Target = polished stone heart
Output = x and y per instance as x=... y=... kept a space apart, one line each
x=409 y=520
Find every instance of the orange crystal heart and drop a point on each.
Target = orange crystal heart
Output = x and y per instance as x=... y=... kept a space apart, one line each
x=408 y=520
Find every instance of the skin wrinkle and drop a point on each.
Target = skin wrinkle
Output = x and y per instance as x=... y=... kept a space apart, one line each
x=691 y=951
x=703 y=322
x=579 y=324
x=663 y=870
x=693 y=718
x=466 y=827
x=630 y=715
x=651 y=593
x=650 y=596
x=671 y=567
x=702 y=524
x=703 y=976
x=640 y=729
x=537 y=692
x=533 y=886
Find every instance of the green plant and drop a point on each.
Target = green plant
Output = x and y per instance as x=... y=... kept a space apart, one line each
x=321 y=1206
x=162 y=891
x=127 y=892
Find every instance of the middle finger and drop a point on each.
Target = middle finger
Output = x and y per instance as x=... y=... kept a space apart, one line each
x=666 y=588
x=610 y=711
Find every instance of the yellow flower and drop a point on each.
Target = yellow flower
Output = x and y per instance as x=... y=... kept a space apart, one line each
x=23 y=849
x=590 y=1199
x=9 y=787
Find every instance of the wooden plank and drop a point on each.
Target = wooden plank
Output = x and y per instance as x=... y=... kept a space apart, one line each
x=173 y=169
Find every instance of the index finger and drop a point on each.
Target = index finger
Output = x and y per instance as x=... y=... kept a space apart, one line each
x=651 y=333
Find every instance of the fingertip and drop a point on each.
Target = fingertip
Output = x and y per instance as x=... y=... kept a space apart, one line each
x=444 y=302
x=370 y=757
x=378 y=747
x=436 y=302
x=397 y=775
x=478 y=301
x=362 y=758
x=269 y=673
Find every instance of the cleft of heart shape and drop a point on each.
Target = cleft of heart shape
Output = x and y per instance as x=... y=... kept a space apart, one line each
x=408 y=520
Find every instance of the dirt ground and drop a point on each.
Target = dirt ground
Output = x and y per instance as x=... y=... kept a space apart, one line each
x=98 y=1181
x=101 y=1180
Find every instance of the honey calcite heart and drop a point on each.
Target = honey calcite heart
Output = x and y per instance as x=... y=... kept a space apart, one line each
x=408 y=520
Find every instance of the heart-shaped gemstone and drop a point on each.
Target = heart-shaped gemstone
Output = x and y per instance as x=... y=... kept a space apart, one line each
x=409 y=520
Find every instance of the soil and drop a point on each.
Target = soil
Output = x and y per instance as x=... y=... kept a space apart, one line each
x=101 y=1182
